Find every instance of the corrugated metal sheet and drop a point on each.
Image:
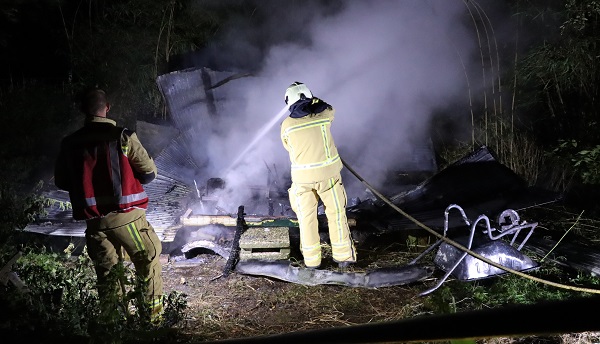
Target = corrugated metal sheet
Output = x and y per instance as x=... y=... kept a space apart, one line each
x=190 y=96
x=168 y=201
x=175 y=159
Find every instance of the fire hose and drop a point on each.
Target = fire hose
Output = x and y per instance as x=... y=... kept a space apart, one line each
x=459 y=246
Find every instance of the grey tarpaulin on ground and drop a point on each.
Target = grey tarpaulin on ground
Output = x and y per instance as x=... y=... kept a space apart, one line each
x=376 y=278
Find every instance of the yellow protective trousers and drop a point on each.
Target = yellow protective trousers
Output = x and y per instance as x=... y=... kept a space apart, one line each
x=304 y=199
x=143 y=247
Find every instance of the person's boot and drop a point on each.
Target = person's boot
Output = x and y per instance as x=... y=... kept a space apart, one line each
x=312 y=267
x=344 y=265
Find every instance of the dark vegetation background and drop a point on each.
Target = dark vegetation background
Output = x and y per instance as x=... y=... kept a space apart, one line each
x=50 y=50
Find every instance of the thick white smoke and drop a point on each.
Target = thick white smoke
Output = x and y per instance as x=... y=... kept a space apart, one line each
x=384 y=65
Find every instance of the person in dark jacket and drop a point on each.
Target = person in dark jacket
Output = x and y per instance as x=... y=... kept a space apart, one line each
x=103 y=167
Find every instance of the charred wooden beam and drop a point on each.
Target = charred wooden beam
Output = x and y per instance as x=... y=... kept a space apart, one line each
x=189 y=219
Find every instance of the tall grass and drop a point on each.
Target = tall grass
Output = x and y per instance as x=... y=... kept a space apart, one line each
x=498 y=126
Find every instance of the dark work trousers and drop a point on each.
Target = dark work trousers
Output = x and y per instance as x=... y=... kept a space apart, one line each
x=142 y=245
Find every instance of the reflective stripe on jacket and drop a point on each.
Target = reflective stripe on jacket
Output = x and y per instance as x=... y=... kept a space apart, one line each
x=308 y=140
x=94 y=167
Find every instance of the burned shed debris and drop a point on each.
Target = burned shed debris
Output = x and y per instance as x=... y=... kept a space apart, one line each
x=477 y=182
x=192 y=204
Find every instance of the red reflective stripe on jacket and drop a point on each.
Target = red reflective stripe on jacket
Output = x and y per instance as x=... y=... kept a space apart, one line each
x=105 y=182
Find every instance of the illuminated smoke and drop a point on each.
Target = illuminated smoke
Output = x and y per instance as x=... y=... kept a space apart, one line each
x=385 y=66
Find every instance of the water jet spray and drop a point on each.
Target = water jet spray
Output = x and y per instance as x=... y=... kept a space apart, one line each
x=259 y=136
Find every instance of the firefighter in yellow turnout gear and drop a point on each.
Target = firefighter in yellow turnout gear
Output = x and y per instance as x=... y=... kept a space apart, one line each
x=315 y=172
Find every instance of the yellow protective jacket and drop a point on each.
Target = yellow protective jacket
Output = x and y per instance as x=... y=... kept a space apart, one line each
x=312 y=151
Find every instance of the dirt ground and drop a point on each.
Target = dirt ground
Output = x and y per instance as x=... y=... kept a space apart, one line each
x=240 y=306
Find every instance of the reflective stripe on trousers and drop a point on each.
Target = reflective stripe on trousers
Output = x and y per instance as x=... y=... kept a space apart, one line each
x=304 y=201
x=143 y=246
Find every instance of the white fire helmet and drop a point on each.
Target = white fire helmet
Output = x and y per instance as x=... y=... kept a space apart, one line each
x=295 y=92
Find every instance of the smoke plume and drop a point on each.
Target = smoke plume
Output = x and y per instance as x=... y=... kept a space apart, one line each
x=385 y=66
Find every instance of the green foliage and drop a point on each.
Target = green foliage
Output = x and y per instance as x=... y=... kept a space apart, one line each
x=556 y=95
x=63 y=302
x=519 y=290
x=124 y=46
x=508 y=289
x=17 y=209
x=559 y=79
x=121 y=46
x=62 y=205
x=442 y=301
x=60 y=292
x=584 y=161
x=581 y=17
x=175 y=306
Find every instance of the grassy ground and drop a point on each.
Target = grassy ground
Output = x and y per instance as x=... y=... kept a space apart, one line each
x=241 y=306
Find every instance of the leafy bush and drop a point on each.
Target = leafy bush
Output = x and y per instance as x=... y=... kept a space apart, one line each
x=17 y=209
x=584 y=161
x=508 y=289
x=61 y=298
x=62 y=301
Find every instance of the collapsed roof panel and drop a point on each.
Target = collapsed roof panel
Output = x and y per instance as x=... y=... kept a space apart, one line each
x=155 y=137
x=176 y=162
x=186 y=97
x=477 y=182
x=192 y=95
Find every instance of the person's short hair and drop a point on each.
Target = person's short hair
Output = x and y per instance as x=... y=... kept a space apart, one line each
x=93 y=101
